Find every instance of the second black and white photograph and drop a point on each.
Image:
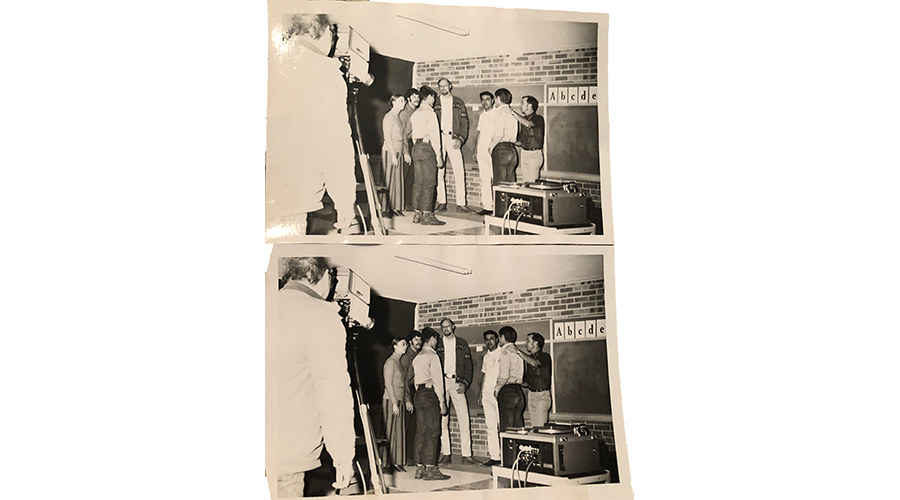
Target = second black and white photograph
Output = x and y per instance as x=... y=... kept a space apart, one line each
x=419 y=121
x=428 y=369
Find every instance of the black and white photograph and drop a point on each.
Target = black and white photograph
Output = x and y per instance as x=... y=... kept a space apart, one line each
x=418 y=369
x=421 y=120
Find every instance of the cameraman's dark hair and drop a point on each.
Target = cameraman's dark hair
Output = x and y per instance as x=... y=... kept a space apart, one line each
x=309 y=268
x=486 y=94
x=426 y=91
x=491 y=332
x=504 y=95
x=537 y=337
x=397 y=340
x=533 y=101
x=395 y=97
x=428 y=333
x=411 y=92
x=313 y=24
x=413 y=334
x=509 y=333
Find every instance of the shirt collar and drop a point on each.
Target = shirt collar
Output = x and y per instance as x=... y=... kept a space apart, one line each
x=301 y=287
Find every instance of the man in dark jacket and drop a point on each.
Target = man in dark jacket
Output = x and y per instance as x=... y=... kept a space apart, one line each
x=454 y=121
x=456 y=359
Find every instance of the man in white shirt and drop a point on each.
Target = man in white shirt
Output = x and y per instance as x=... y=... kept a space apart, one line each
x=426 y=137
x=455 y=130
x=490 y=371
x=508 y=389
x=483 y=135
x=503 y=148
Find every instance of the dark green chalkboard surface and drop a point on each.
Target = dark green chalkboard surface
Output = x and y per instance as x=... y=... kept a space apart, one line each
x=572 y=141
x=581 y=377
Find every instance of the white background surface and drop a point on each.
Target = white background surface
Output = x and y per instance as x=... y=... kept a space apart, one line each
x=621 y=117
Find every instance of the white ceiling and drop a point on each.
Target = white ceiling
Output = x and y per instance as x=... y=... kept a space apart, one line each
x=494 y=268
x=492 y=31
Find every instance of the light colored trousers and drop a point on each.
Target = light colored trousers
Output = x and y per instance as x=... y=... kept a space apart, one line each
x=461 y=407
x=459 y=173
x=538 y=407
x=531 y=162
x=492 y=421
x=289 y=485
x=486 y=172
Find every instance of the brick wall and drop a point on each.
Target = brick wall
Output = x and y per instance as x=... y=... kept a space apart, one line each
x=561 y=67
x=565 y=301
x=554 y=67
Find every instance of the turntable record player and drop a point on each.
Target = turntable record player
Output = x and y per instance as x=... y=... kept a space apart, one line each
x=543 y=184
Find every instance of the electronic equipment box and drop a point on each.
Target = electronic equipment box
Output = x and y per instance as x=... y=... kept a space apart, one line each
x=542 y=203
x=564 y=454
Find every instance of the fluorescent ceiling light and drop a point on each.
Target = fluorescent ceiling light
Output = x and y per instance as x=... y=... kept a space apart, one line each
x=437 y=264
x=438 y=25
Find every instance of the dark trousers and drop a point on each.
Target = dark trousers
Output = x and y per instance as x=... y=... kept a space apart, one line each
x=411 y=427
x=428 y=426
x=425 y=166
x=511 y=402
x=408 y=180
x=504 y=159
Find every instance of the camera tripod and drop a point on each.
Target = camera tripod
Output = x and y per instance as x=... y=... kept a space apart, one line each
x=376 y=472
x=365 y=165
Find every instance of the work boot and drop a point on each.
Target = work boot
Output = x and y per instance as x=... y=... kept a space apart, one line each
x=417 y=218
x=440 y=207
x=428 y=219
x=432 y=473
x=420 y=471
x=445 y=459
x=470 y=461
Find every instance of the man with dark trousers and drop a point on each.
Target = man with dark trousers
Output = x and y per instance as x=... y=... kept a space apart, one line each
x=412 y=104
x=429 y=406
x=531 y=138
x=508 y=390
x=426 y=137
x=503 y=143
x=456 y=359
x=414 y=339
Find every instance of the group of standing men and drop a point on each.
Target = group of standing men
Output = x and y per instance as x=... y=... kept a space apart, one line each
x=507 y=374
x=433 y=128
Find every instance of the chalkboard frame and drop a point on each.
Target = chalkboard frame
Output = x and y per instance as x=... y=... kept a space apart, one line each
x=548 y=171
x=552 y=342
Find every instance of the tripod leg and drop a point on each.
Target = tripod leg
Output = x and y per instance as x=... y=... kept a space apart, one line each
x=366 y=166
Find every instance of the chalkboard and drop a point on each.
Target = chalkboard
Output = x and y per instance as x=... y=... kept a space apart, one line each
x=581 y=377
x=572 y=141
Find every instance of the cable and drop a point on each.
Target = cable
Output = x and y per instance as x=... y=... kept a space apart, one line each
x=530 y=463
x=363 y=219
x=359 y=468
x=517 y=222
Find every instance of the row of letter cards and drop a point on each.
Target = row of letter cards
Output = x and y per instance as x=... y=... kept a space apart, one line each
x=579 y=330
x=571 y=95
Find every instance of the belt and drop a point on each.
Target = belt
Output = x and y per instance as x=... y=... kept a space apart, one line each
x=447 y=133
x=451 y=377
x=532 y=149
x=426 y=385
x=541 y=390
x=422 y=139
